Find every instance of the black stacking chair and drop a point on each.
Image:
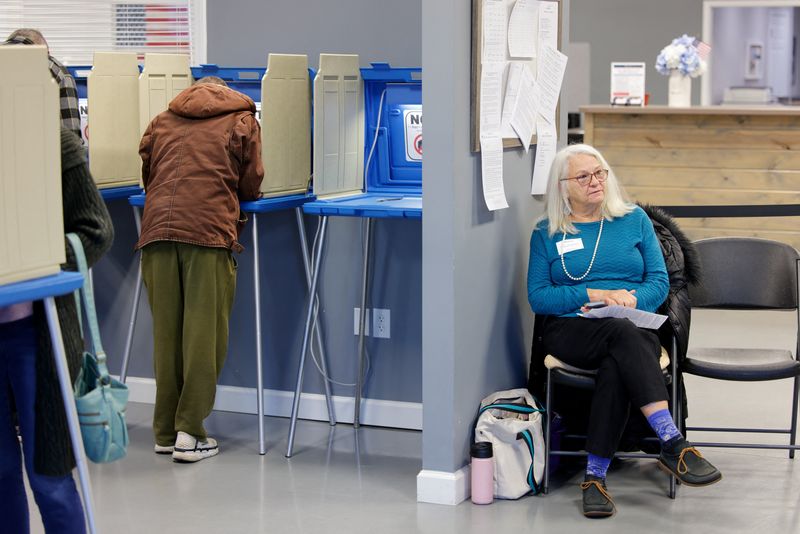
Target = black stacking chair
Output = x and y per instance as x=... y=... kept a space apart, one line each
x=561 y=374
x=744 y=273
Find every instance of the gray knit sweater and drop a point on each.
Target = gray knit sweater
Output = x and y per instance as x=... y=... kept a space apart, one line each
x=85 y=214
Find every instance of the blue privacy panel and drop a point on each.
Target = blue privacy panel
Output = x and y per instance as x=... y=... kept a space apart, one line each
x=396 y=162
x=80 y=73
x=246 y=80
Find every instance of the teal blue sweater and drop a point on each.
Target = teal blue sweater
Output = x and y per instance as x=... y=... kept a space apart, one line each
x=628 y=257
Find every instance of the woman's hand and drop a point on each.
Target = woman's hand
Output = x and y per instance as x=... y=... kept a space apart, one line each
x=613 y=297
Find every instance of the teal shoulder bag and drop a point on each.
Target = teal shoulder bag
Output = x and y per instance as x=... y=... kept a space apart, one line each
x=99 y=398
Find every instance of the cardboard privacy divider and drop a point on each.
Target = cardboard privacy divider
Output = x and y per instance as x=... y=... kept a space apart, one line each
x=286 y=125
x=338 y=126
x=113 y=98
x=163 y=77
x=31 y=221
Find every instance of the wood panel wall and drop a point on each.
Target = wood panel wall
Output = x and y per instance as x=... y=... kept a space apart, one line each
x=706 y=157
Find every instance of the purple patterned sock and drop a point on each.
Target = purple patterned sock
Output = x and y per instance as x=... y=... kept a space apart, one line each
x=662 y=424
x=597 y=466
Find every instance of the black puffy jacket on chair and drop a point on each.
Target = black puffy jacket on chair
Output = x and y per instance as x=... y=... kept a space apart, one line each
x=683 y=268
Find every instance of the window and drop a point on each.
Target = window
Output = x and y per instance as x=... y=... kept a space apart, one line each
x=75 y=29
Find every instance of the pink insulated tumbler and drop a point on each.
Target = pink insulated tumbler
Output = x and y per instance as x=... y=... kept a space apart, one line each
x=482 y=473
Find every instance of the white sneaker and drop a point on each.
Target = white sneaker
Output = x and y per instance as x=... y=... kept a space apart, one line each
x=190 y=449
x=163 y=449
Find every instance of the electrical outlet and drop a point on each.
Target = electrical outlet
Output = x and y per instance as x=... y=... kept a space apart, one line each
x=382 y=323
x=357 y=318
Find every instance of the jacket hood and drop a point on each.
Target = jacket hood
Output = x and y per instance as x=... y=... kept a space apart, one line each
x=206 y=100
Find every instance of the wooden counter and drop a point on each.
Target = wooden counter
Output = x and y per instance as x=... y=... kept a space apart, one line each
x=720 y=165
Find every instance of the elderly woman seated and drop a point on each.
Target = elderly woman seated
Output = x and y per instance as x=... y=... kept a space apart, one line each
x=594 y=246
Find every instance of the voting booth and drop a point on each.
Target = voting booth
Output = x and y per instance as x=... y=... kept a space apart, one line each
x=384 y=103
x=364 y=119
x=125 y=98
x=32 y=236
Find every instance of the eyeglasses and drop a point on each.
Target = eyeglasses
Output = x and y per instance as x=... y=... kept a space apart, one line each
x=585 y=178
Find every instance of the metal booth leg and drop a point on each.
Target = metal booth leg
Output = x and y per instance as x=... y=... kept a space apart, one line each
x=306 y=334
x=262 y=449
x=363 y=325
x=137 y=293
x=72 y=414
x=317 y=328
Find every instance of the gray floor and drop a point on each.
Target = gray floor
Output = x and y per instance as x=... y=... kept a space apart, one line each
x=342 y=480
x=345 y=481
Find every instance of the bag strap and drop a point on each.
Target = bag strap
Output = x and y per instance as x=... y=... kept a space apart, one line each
x=87 y=292
x=528 y=438
x=515 y=407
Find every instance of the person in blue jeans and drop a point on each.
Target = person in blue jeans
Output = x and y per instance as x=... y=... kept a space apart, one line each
x=30 y=397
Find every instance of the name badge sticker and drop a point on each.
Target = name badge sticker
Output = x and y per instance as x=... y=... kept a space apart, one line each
x=569 y=245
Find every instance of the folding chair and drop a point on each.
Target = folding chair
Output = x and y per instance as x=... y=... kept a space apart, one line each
x=746 y=273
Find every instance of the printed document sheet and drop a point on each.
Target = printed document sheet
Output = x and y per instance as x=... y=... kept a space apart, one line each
x=640 y=318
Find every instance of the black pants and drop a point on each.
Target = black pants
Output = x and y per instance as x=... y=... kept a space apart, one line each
x=626 y=358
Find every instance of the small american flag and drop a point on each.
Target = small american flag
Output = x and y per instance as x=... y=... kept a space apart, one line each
x=703 y=49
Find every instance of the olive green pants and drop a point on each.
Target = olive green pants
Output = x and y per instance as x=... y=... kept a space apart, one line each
x=191 y=292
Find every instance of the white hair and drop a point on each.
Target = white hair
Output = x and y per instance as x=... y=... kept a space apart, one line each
x=556 y=202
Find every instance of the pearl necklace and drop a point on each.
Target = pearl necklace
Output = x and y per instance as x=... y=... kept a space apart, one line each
x=594 y=254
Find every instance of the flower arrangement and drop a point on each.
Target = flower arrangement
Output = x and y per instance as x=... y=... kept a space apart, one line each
x=681 y=55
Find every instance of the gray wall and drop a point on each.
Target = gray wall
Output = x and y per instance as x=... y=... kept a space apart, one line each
x=242 y=33
x=632 y=30
x=474 y=301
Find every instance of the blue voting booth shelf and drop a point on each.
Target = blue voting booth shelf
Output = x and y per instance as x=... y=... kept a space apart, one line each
x=393 y=185
x=54 y=285
x=137 y=201
x=116 y=193
x=264 y=205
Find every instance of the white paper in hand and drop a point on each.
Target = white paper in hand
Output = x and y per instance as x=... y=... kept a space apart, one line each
x=640 y=318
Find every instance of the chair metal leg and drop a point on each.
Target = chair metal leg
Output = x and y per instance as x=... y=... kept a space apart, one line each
x=675 y=405
x=793 y=433
x=547 y=429
x=72 y=414
x=306 y=335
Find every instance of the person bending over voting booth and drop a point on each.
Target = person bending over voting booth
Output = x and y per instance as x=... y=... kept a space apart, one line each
x=199 y=159
x=593 y=246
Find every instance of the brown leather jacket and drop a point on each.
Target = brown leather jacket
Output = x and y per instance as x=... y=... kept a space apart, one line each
x=199 y=159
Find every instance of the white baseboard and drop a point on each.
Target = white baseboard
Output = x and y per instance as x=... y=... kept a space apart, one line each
x=374 y=412
x=442 y=487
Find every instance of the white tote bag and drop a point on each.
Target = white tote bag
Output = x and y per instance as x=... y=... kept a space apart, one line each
x=511 y=421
